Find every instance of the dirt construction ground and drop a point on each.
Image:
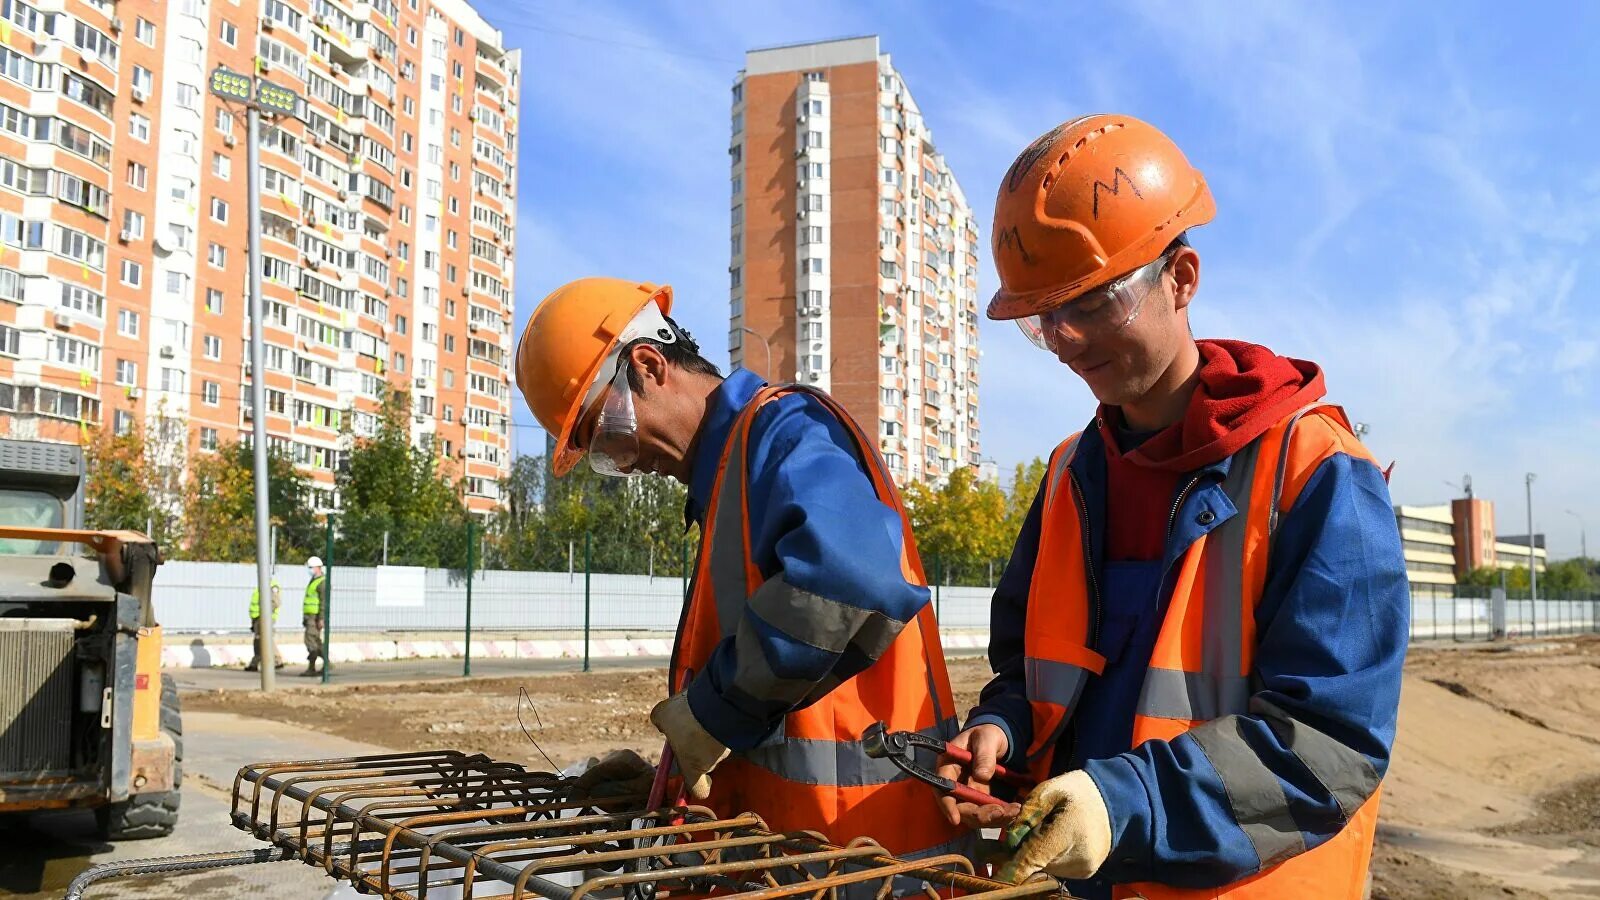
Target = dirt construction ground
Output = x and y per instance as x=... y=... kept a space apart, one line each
x=1494 y=790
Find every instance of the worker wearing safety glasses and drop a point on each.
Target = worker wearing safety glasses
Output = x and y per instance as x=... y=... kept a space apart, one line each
x=808 y=618
x=1198 y=641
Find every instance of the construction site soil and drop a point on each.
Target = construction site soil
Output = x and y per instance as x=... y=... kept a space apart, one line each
x=1494 y=789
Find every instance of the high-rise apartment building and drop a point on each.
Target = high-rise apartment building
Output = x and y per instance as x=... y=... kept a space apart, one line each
x=854 y=253
x=387 y=220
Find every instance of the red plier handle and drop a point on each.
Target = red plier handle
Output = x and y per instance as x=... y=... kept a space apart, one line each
x=899 y=747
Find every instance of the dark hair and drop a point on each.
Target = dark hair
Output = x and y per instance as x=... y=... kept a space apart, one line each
x=683 y=353
x=1178 y=243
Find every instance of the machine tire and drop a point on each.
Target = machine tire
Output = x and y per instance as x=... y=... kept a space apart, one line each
x=145 y=816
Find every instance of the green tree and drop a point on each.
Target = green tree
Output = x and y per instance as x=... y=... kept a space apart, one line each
x=1481 y=577
x=221 y=513
x=961 y=527
x=126 y=486
x=1567 y=576
x=633 y=525
x=390 y=486
x=1517 y=579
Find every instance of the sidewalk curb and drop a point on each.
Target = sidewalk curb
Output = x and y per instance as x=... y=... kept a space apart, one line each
x=196 y=654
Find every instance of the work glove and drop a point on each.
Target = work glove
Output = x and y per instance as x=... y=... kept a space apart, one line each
x=621 y=774
x=1063 y=829
x=695 y=750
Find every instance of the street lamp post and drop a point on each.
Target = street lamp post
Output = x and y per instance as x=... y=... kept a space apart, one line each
x=257 y=96
x=765 y=343
x=1583 y=536
x=1533 y=572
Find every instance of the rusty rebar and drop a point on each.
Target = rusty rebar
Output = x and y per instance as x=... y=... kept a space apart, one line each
x=403 y=824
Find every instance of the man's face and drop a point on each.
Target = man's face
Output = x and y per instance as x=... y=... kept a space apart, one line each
x=655 y=414
x=1121 y=365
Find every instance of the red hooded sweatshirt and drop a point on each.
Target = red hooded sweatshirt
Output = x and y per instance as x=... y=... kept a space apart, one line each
x=1243 y=390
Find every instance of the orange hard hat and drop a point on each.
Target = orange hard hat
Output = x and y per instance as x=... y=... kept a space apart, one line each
x=570 y=336
x=1091 y=200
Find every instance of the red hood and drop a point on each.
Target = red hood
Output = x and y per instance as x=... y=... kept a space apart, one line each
x=1243 y=390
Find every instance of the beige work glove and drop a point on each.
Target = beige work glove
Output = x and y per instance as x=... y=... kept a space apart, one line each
x=1063 y=829
x=621 y=776
x=695 y=750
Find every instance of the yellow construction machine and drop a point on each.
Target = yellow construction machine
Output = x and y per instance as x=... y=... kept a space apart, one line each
x=86 y=718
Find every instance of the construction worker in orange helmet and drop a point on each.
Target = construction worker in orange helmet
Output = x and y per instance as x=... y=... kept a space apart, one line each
x=1198 y=641
x=807 y=580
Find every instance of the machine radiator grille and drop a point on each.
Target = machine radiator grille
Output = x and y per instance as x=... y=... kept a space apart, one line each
x=36 y=700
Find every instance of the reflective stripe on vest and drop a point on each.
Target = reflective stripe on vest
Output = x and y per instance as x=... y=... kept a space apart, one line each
x=312 y=605
x=814 y=774
x=255 y=602
x=1198 y=679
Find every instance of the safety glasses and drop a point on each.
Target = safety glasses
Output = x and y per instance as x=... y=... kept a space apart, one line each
x=1095 y=313
x=614 y=444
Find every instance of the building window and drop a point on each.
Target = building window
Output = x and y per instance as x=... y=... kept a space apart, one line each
x=217 y=255
x=221 y=166
x=211 y=393
x=813 y=234
x=219 y=210
x=132 y=273
x=733 y=276
x=133 y=224
x=212 y=346
x=813 y=139
x=122 y=422
x=176 y=283
x=138 y=176
x=139 y=127
x=812 y=266
x=213 y=300
x=814 y=202
x=449 y=343
x=188 y=96
x=127 y=323
x=208 y=438
x=127 y=373
x=145 y=31
x=400 y=324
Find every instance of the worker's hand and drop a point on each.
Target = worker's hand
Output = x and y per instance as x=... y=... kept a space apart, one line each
x=695 y=750
x=621 y=774
x=1063 y=829
x=987 y=744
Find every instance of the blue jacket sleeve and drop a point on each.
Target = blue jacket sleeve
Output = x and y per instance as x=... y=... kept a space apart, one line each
x=834 y=597
x=1004 y=700
x=1331 y=639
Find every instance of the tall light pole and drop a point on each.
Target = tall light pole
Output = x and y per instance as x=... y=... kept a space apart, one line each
x=1583 y=537
x=258 y=96
x=765 y=343
x=1533 y=573
x=1360 y=429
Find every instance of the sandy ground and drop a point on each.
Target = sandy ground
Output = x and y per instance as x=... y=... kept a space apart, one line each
x=1494 y=790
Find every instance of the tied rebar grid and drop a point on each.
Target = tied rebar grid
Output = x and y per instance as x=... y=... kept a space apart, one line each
x=446 y=824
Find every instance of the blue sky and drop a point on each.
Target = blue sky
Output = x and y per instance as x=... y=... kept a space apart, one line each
x=1410 y=197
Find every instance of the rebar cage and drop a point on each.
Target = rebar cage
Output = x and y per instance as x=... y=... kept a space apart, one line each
x=444 y=824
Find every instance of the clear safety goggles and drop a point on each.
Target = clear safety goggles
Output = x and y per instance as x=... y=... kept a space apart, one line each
x=614 y=444
x=1098 y=312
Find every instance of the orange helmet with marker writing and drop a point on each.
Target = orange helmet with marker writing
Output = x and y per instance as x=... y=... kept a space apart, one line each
x=1090 y=200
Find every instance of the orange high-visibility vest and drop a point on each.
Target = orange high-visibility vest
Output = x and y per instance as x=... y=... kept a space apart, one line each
x=813 y=774
x=1200 y=668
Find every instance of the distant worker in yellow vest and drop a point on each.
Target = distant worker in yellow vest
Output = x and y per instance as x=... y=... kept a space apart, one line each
x=314 y=608
x=256 y=630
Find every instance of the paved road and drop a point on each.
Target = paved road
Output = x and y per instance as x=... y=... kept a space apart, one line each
x=414 y=670
x=42 y=853
x=408 y=670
